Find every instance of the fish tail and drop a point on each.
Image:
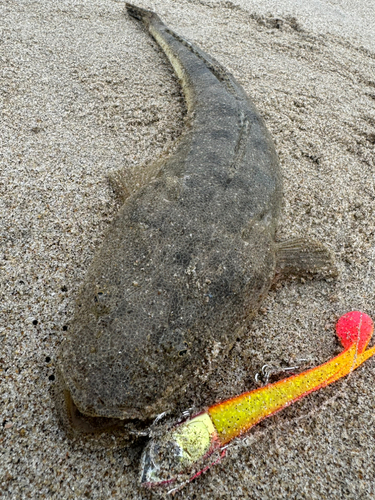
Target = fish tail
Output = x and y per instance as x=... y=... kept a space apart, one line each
x=146 y=16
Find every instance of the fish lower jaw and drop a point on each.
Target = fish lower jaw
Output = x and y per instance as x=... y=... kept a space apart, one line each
x=77 y=422
x=82 y=423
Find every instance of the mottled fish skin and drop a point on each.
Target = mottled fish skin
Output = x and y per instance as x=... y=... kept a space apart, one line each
x=187 y=260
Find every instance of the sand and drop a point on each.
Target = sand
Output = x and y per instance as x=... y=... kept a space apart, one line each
x=85 y=91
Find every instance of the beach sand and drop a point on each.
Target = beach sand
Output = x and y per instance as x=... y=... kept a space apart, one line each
x=84 y=91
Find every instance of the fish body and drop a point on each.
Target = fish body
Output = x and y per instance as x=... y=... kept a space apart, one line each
x=182 y=453
x=188 y=257
x=187 y=260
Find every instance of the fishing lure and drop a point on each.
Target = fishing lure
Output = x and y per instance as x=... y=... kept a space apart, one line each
x=190 y=448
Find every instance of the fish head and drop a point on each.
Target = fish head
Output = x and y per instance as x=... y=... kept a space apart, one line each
x=156 y=313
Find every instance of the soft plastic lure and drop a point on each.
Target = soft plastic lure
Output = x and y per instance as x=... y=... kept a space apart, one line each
x=190 y=448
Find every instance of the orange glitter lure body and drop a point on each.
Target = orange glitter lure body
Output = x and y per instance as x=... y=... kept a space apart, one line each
x=237 y=415
x=209 y=432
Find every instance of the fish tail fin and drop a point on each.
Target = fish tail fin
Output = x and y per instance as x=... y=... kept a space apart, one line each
x=146 y=16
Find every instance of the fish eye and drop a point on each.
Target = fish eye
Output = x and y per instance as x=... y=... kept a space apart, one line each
x=267 y=218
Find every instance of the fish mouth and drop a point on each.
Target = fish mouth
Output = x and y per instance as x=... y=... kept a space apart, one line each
x=76 y=423
x=85 y=424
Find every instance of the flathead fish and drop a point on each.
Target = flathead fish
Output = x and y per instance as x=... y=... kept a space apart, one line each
x=186 y=261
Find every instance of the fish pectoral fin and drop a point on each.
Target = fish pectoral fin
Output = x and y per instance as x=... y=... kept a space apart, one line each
x=304 y=258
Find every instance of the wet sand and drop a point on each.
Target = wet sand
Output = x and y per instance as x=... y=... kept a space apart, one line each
x=85 y=91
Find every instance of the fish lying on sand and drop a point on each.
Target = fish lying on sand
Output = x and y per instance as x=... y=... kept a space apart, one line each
x=186 y=261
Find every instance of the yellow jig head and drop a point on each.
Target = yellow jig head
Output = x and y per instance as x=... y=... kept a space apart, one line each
x=181 y=454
